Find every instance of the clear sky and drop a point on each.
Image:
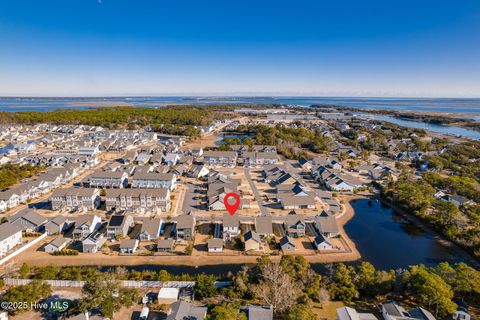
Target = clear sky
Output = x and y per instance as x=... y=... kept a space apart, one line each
x=238 y=47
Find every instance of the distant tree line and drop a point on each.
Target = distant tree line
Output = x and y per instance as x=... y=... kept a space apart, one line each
x=10 y=174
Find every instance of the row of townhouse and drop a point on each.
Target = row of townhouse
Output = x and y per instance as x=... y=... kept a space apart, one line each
x=293 y=225
x=140 y=179
x=144 y=200
x=75 y=199
x=336 y=181
x=44 y=183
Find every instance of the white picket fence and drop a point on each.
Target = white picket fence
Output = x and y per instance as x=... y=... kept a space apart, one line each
x=22 y=248
x=125 y=283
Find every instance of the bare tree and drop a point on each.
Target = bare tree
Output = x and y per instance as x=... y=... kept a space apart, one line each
x=323 y=296
x=276 y=288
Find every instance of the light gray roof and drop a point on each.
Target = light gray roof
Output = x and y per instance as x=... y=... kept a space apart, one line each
x=185 y=221
x=165 y=243
x=151 y=226
x=58 y=242
x=182 y=310
x=263 y=225
x=230 y=221
x=7 y=230
x=128 y=243
x=29 y=215
x=215 y=243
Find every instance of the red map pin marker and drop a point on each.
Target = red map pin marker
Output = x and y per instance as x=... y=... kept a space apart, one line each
x=231 y=208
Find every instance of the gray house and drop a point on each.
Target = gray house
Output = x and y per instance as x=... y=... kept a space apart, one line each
x=185 y=228
x=93 y=242
x=150 y=229
x=119 y=224
x=29 y=220
x=57 y=244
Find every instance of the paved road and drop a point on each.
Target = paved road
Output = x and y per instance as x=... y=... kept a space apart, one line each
x=256 y=194
x=189 y=202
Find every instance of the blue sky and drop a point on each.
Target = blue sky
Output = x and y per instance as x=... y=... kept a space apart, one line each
x=238 y=47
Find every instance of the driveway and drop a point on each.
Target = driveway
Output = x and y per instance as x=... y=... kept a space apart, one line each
x=256 y=194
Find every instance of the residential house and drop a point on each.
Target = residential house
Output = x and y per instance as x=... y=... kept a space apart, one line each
x=231 y=226
x=9 y=199
x=29 y=220
x=75 y=199
x=259 y=159
x=108 y=179
x=462 y=312
x=182 y=310
x=154 y=180
x=57 y=244
x=93 y=242
x=252 y=241
x=287 y=244
x=255 y=312
x=322 y=243
x=119 y=225
x=128 y=245
x=150 y=229
x=215 y=245
x=171 y=159
x=262 y=148
x=58 y=225
x=220 y=158
x=165 y=245
x=198 y=171
x=348 y=313
x=292 y=202
x=143 y=200
x=295 y=225
x=10 y=237
x=263 y=226
x=197 y=152
x=86 y=225
x=394 y=311
x=421 y=314
x=327 y=225
x=185 y=227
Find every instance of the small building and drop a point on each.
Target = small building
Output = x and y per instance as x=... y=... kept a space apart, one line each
x=462 y=312
x=168 y=295
x=215 y=245
x=287 y=244
x=252 y=241
x=165 y=245
x=322 y=243
x=57 y=244
x=129 y=245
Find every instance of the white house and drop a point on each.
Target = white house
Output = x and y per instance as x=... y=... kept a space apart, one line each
x=10 y=237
